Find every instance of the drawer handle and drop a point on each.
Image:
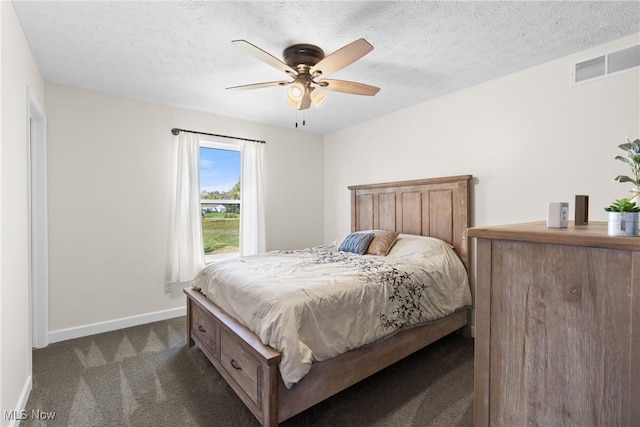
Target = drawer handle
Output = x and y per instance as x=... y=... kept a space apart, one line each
x=201 y=329
x=233 y=364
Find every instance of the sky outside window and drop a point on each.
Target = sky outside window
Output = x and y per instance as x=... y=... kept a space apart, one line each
x=219 y=169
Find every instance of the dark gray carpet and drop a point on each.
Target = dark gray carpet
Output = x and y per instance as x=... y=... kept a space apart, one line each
x=147 y=376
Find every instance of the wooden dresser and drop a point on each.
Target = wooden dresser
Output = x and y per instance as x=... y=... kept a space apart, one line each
x=557 y=326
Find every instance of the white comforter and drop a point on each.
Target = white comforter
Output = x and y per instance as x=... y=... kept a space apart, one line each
x=314 y=304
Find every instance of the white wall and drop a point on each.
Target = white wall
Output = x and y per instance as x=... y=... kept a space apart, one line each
x=527 y=138
x=18 y=71
x=109 y=168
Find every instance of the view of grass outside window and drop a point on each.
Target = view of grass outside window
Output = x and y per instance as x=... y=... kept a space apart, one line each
x=220 y=199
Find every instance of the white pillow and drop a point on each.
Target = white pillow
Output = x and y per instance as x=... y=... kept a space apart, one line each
x=411 y=245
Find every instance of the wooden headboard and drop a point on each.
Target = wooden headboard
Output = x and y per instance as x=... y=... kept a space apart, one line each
x=436 y=207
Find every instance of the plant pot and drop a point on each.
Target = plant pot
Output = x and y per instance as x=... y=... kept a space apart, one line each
x=623 y=224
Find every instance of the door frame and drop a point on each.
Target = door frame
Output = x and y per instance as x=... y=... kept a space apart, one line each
x=38 y=219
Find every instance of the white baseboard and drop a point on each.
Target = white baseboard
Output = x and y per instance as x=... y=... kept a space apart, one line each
x=112 y=325
x=19 y=413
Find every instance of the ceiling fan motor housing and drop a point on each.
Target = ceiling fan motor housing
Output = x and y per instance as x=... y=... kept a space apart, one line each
x=306 y=55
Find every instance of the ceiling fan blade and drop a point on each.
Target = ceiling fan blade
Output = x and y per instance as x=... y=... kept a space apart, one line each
x=264 y=56
x=259 y=85
x=342 y=57
x=353 y=88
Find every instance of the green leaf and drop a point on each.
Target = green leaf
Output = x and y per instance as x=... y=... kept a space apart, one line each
x=626 y=146
x=627 y=160
x=624 y=178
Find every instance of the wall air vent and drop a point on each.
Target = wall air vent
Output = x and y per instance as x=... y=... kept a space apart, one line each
x=607 y=65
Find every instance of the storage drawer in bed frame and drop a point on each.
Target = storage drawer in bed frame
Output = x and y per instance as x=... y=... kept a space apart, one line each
x=205 y=332
x=250 y=368
x=245 y=369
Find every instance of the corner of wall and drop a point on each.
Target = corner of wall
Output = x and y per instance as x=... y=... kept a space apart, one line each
x=18 y=70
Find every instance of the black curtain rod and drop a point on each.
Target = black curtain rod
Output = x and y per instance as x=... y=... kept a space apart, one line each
x=176 y=131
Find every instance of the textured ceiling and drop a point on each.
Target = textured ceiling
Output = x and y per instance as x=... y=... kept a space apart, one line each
x=180 y=52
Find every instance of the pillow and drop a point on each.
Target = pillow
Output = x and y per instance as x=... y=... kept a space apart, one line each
x=408 y=245
x=356 y=243
x=382 y=242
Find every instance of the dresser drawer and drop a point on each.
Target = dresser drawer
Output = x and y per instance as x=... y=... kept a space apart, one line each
x=242 y=366
x=205 y=330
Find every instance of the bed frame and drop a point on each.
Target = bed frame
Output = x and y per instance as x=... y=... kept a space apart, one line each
x=435 y=207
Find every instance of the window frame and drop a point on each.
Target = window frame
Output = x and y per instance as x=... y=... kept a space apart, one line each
x=206 y=141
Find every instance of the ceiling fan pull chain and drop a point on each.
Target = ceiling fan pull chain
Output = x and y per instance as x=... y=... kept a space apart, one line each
x=303 y=118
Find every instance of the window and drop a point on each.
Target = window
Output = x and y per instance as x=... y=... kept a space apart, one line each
x=220 y=197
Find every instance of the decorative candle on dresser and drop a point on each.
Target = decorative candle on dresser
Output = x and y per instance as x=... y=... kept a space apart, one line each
x=557 y=326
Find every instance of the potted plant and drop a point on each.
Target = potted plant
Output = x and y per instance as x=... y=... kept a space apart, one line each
x=623 y=218
x=633 y=160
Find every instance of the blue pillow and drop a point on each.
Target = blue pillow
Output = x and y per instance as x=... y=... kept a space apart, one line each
x=358 y=243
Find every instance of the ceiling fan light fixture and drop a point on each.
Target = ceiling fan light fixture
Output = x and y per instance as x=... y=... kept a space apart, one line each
x=296 y=92
x=306 y=101
x=293 y=104
x=317 y=97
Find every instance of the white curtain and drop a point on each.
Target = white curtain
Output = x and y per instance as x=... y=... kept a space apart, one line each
x=186 y=252
x=252 y=233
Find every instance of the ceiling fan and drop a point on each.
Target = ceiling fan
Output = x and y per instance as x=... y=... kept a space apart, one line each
x=307 y=65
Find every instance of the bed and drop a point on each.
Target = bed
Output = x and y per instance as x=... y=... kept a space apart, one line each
x=436 y=207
